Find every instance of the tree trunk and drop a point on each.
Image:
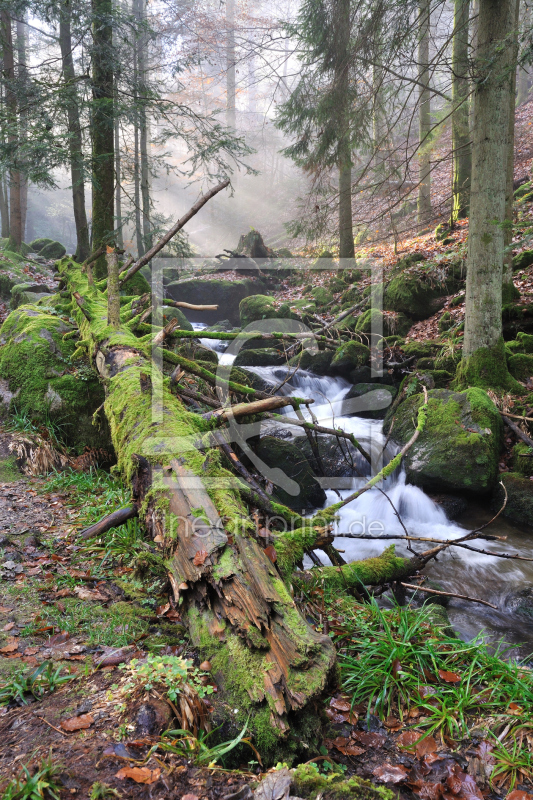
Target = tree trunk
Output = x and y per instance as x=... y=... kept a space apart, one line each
x=230 y=65
x=118 y=188
x=15 y=211
x=462 y=152
x=342 y=25
x=483 y=353
x=23 y=81
x=136 y=154
x=102 y=130
x=143 y=130
x=4 y=209
x=424 y=118
x=523 y=73
x=75 y=136
x=509 y=290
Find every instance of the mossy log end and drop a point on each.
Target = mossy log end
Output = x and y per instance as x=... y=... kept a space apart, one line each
x=269 y=663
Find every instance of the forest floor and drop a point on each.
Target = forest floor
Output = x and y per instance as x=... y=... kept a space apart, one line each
x=453 y=721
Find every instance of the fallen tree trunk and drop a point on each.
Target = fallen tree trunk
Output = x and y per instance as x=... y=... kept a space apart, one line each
x=269 y=663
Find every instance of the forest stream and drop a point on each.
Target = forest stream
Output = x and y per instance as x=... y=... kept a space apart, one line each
x=456 y=570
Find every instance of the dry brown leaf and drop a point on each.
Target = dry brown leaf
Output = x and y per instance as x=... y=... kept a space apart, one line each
x=408 y=739
x=449 y=677
x=140 y=775
x=87 y=594
x=389 y=774
x=10 y=647
x=8 y=626
x=200 y=557
x=5 y=610
x=270 y=553
x=426 y=747
x=82 y=722
x=340 y=705
x=30 y=651
x=519 y=794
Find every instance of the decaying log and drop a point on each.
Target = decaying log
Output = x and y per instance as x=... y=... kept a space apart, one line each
x=268 y=662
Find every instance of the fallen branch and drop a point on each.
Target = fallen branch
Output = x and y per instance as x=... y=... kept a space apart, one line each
x=160 y=337
x=81 y=304
x=240 y=468
x=521 y=435
x=191 y=306
x=141 y=262
x=247 y=335
x=321 y=429
x=92 y=258
x=345 y=314
x=113 y=520
x=202 y=398
x=245 y=409
x=448 y=594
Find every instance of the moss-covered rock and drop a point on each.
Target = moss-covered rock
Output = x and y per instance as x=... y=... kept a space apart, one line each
x=197 y=352
x=521 y=366
x=136 y=285
x=256 y=307
x=425 y=363
x=426 y=349
x=175 y=313
x=446 y=322
x=38 y=244
x=290 y=459
x=24 y=293
x=319 y=362
x=226 y=294
x=416 y=297
x=523 y=459
x=522 y=260
x=460 y=445
x=349 y=356
x=522 y=344
x=519 y=507
x=393 y=323
x=441 y=377
x=264 y=357
x=41 y=378
x=310 y=783
x=322 y=296
x=53 y=251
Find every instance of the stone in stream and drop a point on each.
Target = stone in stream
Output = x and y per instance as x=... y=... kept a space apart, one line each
x=382 y=398
x=519 y=506
x=348 y=357
x=294 y=463
x=263 y=357
x=213 y=291
x=459 y=448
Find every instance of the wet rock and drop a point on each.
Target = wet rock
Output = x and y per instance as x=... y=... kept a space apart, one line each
x=379 y=402
x=264 y=357
x=520 y=603
x=226 y=294
x=348 y=357
x=452 y=505
x=460 y=445
x=519 y=506
x=299 y=488
x=318 y=363
x=340 y=460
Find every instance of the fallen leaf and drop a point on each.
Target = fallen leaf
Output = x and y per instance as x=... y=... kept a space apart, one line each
x=515 y=709
x=82 y=722
x=392 y=723
x=33 y=571
x=340 y=705
x=10 y=646
x=270 y=553
x=143 y=775
x=8 y=626
x=87 y=594
x=519 y=794
x=63 y=593
x=30 y=651
x=426 y=746
x=162 y=610
x=59 y=638
x=396 y=667
x=189 y=797
x=174 y=615
x=390 y=774
x=449 y=677
x=408 y=739
x=334 y=716
x=200 y=557
x=4 y=610
x=369 y=739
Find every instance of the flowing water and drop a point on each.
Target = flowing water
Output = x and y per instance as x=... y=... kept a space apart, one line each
x=457 y=570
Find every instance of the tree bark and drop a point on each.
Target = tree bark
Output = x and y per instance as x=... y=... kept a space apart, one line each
x=118 y=188
x=143 y=129
x=4 y=209
x=15 y=218
x=424 y=114
x=462 y=151
x=493 y=96
x=136 y=153
x=77 y=175
x=102 y=130
x=23 y=123
x=231 y=121
x=509 y=291
x=342 y=27
x=113 y=290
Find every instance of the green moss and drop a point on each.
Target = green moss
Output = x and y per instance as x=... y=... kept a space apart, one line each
x=318 y=363
x=136 y=285
x=53 y=250
x=421 y=349
x=263 y=357
x=441 y=377
x=393 y=324
x=522 y=260
x=415 y=296
x=460 y=446
x=509 y=293
x=446 y=322
x=349 y=356
x=322 y=296
x=8 y=470
x=309 y=782
x=38 y=244
x=521 y=366
x=522 y=344
x=486 y=369
x=523 y=459
x=36 y=361
x=256 y=307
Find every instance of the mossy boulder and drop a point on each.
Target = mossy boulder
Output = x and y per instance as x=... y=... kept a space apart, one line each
x=521 y=366
x=523 y=459
x=416 y=297
x=391 y=323
x=446 y=322
x=53 y=251
x=291 y=460
x=522 y=344
x=176 y=313
x=349 y=356
x=39 y=377
x=256 y=307
x=137 y=285
x=459 y=448
x=426 y=349
x=197 y=352
x=519 y=506
x=213 y=291
x=324 y=260
x=38 y=244
x=263 y=357
x=322 y=296
x=522 y=260
x=441 y=377
x=318 y=362
x=24 y=293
